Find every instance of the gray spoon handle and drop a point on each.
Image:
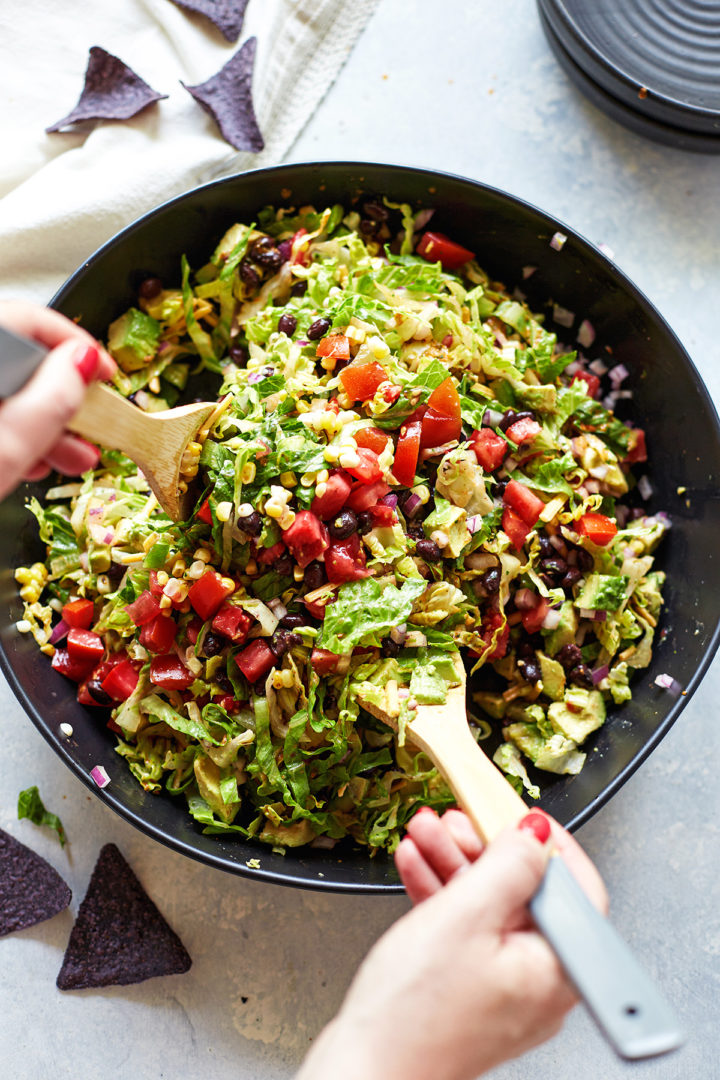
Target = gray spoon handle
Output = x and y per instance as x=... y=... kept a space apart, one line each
x=19 y=359
x=624 y=1001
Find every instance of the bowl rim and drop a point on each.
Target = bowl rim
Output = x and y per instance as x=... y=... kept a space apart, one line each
x=587 y=248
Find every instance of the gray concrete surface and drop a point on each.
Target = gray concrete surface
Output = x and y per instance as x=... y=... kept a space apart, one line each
x=470 y=88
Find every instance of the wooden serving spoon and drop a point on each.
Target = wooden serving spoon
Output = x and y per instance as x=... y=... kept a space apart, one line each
x=627 y=1006
x=155 y=441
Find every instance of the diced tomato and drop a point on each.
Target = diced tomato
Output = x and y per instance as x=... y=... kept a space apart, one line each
x=345 y=560
x=336 y=346
x=169 y=673
x=372 y=438
x=436 y=247
x=193 y=629
x=155 y=587
x=533 y=619
x=158 y=635
x=299 y=251
x=523 y=431
x=597 y=527
x=490 y=625
x=515 y=527
x=360 y=381
x=255 y=660
x=84 y=696
x=105 y=666
x=363 y=496
x=74 y=669
x=369 y=468
x=324 y=662
x=229 y=703
x=204 y=513
x=445 y=398
x=145 y=608
x=268 y=556
x=337 y=488
x=121 y=680
x=407 y=452
x=307 y=538
x=315 y=609
x=232 y=622
x=637 y=450
x=207 y=594
x=392 y=393
x=84 y=646
x=591 y=381
x=438 y=429
x=490 y=449
x=382 y=514
x=79 y=613
x=523 y=502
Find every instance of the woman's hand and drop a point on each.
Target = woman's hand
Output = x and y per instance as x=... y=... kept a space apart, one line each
x=32 y=422
x=464 y=981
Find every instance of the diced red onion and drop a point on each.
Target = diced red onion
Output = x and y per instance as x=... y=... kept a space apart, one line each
x=557 y=542
x=592 y=487
x=277 y=607
x=491 y=418
x=474 y=523
x=303 y=341
x=390 y=500
x=480 y=560
x=59 y=631
x=599 y=471
x=598 y=367
x=592 y=613
x=255 y=377
x=399 y=633
x=618 y=374
x=528 y=271
x=573 y=367
x=621 y=513
x=100 y=776
x=558 y=241
x=94 y=511
x=645 y=487
x=518 y=294
x=562 y=316
x=599 y=674
x=510 y=464
x=611 y=400
x=623 y=395
x=666 y=682
x=448 y=341
x=664 y=519
x=525 y=600
x=412 y=505
x=552 y=619
x=422 y=218
x=163 y=346
x=325 y=843
x=586 y=336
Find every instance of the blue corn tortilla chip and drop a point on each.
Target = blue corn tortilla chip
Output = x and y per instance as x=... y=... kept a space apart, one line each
x=119 y=936
x=226 y=15
x=30 y=889
x=112 y=91
x=227 y=96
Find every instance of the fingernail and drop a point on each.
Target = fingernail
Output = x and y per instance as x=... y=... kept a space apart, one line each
x=425 y=810
x=86 y=360
x=536 y=824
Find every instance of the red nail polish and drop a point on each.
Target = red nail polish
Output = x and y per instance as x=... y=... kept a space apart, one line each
x=538 y=825
x=86 y=360
x=424 y=810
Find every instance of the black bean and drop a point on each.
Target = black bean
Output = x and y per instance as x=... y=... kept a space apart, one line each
x=554 y=565
x=509 y=417
x=238 y=354
x=116 y=572
x=376 y=211
x=344 y=525
x=284 y=565
x=428 y=550
x=365 y=523
x=299 y=288
x=546 y=549
x=285 y=249
x=292 y=621
x=585 y=560
x=223 y=680
x=283 y=640
x=150 y=288
x=402 y=497
x=415 y=531
x=530 y=670
x=212 y=644
x=571 y=578
x=491 y=579
x=248 y=275
x=368 y=228
x=96 y=692
x=524 y=648
x=569 y=656
x=319 y=328
x=330 y=700
x=264 y=252
x=389 y=648
x=582 y=676
x=252 y=524
x=314 y=575
x=259 y=687
x=497 y=490
x=287 y=324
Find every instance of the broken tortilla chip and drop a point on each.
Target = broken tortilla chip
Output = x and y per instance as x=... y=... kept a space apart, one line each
x=226 y=15
x=30 y=889
x=227 y=96
x=112 y=91
x=119 y=936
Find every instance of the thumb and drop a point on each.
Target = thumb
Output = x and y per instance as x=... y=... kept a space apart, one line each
x=498 y=887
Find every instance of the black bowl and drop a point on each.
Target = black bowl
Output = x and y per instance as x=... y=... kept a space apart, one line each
x=671 y=403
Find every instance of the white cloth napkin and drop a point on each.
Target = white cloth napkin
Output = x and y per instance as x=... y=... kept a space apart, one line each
x=63 y=195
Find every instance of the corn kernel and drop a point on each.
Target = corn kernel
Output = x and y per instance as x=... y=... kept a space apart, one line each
x=301 y=406
x=182 y=486
x=287 y=519
x=103 y=584
x=251 y=567
x=203 y=555
x=288 y=479
x=223 y=510
x=244 y=510
x=287 y=678
x=298 y=573
x=193 y=448
x=331 y=454
x=343 y=400
x=23 y=626
x=196 y=570
x=308 y=479
x=423 y=493
x=179 y=567
x=228 y=584
x=273 y=511
x=165 y=603
x=379 y=349
x=323 y=476
x=248 y=472
x=320 y=490
x=328 y=362
x=162 y=577
x=348 y=459
x=277 y=680
x=440 y=538
x=356 y=334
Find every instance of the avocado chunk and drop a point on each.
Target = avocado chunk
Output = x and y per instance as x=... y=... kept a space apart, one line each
x=539 y=398
x=565 y=631
x=582 y=712
x=556 y=754
x=208 y=778
x=294 y=835
x=604 y=592
x=493 y=704
x=133 y=339
x=553 y=677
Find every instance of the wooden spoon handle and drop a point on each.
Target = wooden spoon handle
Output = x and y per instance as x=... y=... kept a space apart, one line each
x=480 y=788
x=111 y=420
